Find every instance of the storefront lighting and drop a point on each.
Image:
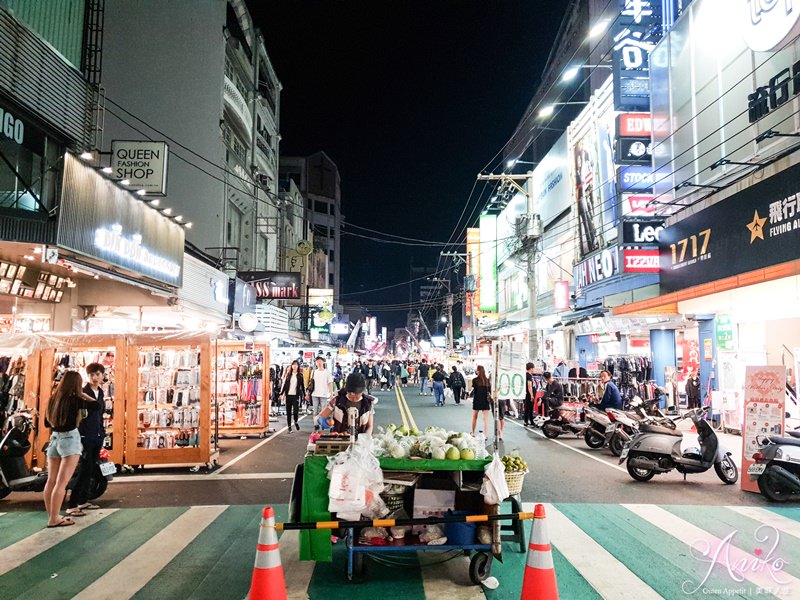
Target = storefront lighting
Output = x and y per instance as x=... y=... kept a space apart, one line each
x=188 y=225
x=125 y=182
x=28 y=257
x=548 y=110
x=154 y=202
x=107 y=170
x=141 y=192
x=37 y=250
x=86 y=155
x=167 y=211
x=179 y=218
x=598 y=29
x=515 y=161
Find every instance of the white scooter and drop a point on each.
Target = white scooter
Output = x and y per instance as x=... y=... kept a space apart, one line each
x=777 y=467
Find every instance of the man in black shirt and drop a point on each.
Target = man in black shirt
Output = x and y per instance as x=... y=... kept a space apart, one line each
x=423 y=378
x=530 y=395
x=553 y=393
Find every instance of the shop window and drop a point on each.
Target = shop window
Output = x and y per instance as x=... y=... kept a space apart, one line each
x=321 y=207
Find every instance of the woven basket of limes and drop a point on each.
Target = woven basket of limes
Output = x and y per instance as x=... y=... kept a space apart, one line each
x=516 y=468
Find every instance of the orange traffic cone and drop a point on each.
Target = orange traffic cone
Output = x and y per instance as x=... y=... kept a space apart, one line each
x=267 y=582
x=539 y=582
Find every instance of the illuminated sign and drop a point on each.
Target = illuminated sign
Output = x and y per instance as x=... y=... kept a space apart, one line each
x=640 y=261
x=11 y=127
x=634 y=125
x=272 y=285
x=596 y=268
x=767 y=24
x=638 y=205
x=640 y=232
x=473 y=268
x=144 y=164
x=636 y=33
x=112 y=240
x=634 y=151
x=488 y=263
x=636 y=179
x=561 y=295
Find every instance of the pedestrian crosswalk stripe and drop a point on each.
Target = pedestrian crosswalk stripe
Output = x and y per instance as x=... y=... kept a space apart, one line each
x=723 y=522
x=27 y=548
x=65 y=569
x=133 y=573
x=299 y=576
x=17 y=526
x=701 y=540
x=219 y=558
x=610 y=577
x=768 y=517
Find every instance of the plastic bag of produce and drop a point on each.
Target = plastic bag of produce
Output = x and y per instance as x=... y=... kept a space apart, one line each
x=494 y=488
x=356 y=482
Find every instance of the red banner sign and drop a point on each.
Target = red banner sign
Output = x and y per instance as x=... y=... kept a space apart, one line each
x=640 y=261
x=561 y=295
x=635 y=124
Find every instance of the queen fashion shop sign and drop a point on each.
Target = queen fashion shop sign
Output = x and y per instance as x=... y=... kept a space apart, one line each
x=756 y=228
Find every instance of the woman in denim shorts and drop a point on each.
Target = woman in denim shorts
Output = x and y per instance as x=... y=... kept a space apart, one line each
x=64 y=451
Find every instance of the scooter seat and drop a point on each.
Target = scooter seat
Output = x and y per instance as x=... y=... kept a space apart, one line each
x=795 y=433
x=784 y=441
x=646 y=427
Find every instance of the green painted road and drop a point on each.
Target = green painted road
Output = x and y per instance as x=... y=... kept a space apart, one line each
x=636 y=551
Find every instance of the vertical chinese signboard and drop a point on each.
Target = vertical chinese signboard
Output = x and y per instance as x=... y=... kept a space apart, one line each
x=764 y=410
x=637 y=31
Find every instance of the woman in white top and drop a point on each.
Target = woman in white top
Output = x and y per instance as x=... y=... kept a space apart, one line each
x=321 y=388
x=293 y=389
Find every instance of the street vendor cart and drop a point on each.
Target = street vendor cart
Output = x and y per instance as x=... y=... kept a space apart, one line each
x=458 y=482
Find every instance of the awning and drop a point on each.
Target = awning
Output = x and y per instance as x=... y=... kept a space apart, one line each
x=568 y=319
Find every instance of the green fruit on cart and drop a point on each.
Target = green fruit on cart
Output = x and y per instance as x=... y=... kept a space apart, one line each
x=453 y=454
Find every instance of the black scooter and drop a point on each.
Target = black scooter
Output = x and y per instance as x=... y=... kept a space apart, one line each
x=656 y=449
x=15 y=476
x=777 y=467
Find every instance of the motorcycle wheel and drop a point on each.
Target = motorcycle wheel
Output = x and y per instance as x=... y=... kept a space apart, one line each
x=593 y=439
x=616 y=445
x=97 y=485
x=770 y=487
x=551 y=430
x=639 y=474
x=4 y=491
x=727 y=471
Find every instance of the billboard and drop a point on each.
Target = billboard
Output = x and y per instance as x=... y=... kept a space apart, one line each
x=584 y=156
x=273 y=285
x=551 y=182
x=473 y=301
x=488 y=263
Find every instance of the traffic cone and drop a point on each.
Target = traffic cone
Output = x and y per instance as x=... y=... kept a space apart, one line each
x=267 y=582
x=539 y=582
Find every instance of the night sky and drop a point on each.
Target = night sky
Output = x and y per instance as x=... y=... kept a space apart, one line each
x=411 y=99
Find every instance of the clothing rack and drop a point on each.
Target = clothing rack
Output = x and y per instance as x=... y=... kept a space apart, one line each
x=633 y=374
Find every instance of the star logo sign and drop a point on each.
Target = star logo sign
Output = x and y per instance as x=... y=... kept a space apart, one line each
x=756 y=227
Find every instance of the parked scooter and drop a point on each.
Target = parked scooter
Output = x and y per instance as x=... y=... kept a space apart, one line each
x=628 y=422
x=15 y=476
x=599 y=428
x=563 y=420
x=777 y=467
x=656 y=449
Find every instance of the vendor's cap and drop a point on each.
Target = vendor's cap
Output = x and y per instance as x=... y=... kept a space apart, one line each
x=355 y=383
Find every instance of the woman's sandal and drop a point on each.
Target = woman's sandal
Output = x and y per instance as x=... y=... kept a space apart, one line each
x=62 y=523
x=75 y=512
x=88 y=506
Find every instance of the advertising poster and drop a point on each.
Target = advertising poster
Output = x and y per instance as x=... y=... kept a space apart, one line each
x=607 y=184
x=764 y=409
x=587 y=194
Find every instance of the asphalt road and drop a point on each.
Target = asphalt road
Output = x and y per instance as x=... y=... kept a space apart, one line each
x=260 y=472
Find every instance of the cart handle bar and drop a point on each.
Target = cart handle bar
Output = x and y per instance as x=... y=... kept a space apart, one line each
x=404 y=522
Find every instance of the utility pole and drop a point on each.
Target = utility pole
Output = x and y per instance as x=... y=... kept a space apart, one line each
x=530 y=236
x=469 y=288
x=449 y=305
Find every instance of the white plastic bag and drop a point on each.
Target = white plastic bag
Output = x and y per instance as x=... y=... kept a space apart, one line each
x=448 y=395
x=356 y=482
x=494 y=488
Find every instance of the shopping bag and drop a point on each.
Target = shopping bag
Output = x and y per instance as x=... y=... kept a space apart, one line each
x=494 y=488
x=448 y=395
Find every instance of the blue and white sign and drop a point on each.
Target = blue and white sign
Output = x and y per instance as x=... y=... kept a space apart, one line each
x=767 y=24
x=636 y=179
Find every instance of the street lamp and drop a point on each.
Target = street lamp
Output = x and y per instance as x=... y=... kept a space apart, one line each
x=598 y=29
x=572 y=72
x=510 y=163
x=548 y=110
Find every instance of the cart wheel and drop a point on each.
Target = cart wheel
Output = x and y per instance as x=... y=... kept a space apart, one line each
x=262 y=435
x=479 y=567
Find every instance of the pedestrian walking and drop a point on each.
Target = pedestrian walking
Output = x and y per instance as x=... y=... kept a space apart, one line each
x=438 y=379
x=338 y=376
x=481 y=389
x=293 y=389
x=92 y=435
x=503 y=408
x=370 y=375
x=413 y=373
x=320 y=388
x=424 y=369
x=404 y=375
x=386 y=375
x=457 y=384
x=692 y=388
x=63 y=416
x=530 y=395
